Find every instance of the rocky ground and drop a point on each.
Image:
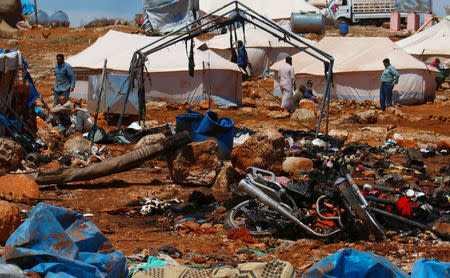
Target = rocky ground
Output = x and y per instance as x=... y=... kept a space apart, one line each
x=418 y=126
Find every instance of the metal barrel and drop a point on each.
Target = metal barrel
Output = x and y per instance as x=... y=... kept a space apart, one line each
x=307 y=23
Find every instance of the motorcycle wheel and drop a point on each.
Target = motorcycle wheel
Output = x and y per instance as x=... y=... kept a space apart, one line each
x=365 y=216
x=241 y=210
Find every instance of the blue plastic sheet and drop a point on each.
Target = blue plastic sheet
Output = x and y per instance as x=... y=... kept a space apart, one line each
x=27 y=7
x=430 y=269
x=355 y=264
x=57 y=242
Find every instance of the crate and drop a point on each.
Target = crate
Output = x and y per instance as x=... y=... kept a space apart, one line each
x=373 y=6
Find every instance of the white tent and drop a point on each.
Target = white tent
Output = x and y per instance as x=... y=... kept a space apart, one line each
x=263 y=48
x=430 y=43
x=279 y=11
x=358 y=67
x=168 y=69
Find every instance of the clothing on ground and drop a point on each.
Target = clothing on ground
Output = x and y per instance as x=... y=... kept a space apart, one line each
x=65 y=78
x=390 y=74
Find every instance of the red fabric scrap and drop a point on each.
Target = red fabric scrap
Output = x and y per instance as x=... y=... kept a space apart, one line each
x=405 y=207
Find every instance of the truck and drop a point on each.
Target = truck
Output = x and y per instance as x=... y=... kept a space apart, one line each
x=354 y=11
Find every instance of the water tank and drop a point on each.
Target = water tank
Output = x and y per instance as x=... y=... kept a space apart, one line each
x=343 y=28
x=59 y=19
x=307 y=23
x=43 y=18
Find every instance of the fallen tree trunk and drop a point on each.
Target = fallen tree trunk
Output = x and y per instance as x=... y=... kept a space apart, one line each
x=117 y=164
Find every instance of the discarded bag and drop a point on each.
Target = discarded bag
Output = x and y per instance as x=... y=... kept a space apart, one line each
x=57 y=242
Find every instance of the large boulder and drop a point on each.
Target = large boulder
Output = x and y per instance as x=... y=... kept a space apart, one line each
x=278 y=114
x=303 y=115
x=248 y=102
x=19 y=185
x=227 y=179
x=295 y=165
x=339 y=134
x=10 y=14
x=366 y=117
x=262 y=150
x=11 y=155
x=77 y=144
x=443 y=145
x=307 y=104
x=149 y=140
x=195 y=164
x=9 y=220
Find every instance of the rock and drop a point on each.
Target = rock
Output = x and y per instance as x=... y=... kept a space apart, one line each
x=442 y=227
x=273 y=106
x=339 y=134
x=278 y=114
x=295 y=165
x=440 y=98
x=248 y=102
x=149 y=140
x=303 y=115
x=77 y=144
x=307 y=104
x=149 y=105
x=123 y=22
x=195 y=164
x=11 y=155
x=19 y=185
x=262 y=150
x=205 y=105
x=117 y=22
x=366 y=117
x=443 y=145
x=227 y=179
x=248 y=111
x=414 y=158
x=9 y=220
x=407 y=143
x=254 y=94
x=305 y=243
x=150 y=124
x=396 y=112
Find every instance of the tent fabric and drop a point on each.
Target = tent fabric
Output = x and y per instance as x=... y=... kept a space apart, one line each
x=434 y=41
x=168 y=68
x=263 y=48
x=57 y=242
x=167 y=15
x=274 y=10
x=358 y=67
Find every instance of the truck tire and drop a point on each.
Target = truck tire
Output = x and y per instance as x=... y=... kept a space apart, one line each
x=341 y=20
x=365 y=216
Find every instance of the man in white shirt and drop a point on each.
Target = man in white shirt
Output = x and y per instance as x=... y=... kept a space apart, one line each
x=287 y=84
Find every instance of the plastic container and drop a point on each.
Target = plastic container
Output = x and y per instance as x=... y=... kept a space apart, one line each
x=43 y=19
x=307 y=23
x=189 y=121
x=220 y=129
x=60 y=19
x=343 y=29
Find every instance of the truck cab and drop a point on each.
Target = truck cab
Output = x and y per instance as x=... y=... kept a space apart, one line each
x=339 y=11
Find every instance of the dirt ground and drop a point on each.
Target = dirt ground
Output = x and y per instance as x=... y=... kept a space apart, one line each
x=425 y=124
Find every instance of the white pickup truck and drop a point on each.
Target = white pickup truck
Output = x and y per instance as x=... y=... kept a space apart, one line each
x=352 y=11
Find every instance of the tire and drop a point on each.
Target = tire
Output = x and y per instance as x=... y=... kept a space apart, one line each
x=365 y=216
x=230 y=222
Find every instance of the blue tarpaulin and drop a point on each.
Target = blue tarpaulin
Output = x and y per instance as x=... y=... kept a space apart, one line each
x=27 y=7
x=357 y=264
x=57 y=242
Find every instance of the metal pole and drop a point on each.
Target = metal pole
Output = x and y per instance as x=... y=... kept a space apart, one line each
x=36 y=13
x=102 y=86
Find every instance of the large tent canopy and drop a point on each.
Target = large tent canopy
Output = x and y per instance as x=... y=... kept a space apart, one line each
x=274 y=10
x=430 y=43
x=263 y=48
x=358 y=67
x=170 y=79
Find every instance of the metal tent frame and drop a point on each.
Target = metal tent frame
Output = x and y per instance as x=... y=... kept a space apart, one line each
x=230 y=14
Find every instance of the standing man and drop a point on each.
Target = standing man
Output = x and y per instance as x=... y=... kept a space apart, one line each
x=242 y=59
x=65 y=79
x=287 y=85
x=389 y=78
